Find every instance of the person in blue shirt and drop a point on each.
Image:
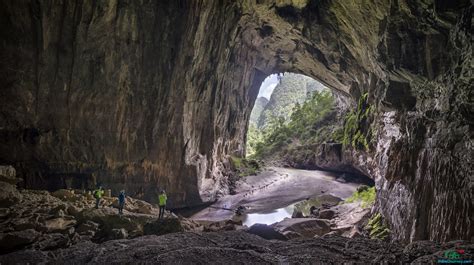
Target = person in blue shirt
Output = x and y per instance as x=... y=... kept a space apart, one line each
x=121 y=200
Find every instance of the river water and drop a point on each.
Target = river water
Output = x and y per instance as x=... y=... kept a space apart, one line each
x=271 y=196
x=268 y=217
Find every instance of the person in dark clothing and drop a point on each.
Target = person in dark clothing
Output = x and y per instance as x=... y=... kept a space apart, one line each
x=121 y=201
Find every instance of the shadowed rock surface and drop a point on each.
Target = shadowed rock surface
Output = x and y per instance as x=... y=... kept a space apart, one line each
x=239 y=248
x=153 y=94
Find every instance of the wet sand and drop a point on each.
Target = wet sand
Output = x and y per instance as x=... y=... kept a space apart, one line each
x=276 y=188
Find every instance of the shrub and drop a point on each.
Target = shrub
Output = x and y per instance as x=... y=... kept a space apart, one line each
x=355 y=132
x=366 y=196
x=377 y=228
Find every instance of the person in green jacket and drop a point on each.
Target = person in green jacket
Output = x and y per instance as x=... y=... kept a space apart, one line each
x=162 y=198
x=98 y=196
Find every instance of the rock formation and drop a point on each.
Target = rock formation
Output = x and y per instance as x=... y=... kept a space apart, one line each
x=259 y=106
x=158 y=93
x=241 y=247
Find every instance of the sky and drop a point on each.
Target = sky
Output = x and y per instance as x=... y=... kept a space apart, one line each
x=268 y=85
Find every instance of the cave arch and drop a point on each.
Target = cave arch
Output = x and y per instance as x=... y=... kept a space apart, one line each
x=158 y=94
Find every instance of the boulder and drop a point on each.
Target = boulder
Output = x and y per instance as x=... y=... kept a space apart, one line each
x=13 y=240
x=329 y=200
x=8 y=174
x=109 y=219
x=24 y=224
x=291 y=234
x=355 y=232
x=306 y=227
x=58 y=224
x=350 y=214
x=143 y=207
x=119 y=234
x=136 y=206
x=9 y=195
x=297 y=214
x=332 y=233
x=266 y=232
x=64 y=194
x=326 y=214
x=51 y=242
x=73 y=210
x=163 y=226
x=87 y=228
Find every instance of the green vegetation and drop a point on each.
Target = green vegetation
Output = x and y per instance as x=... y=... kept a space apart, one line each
x=246 y=167
x=377 y=228
x=304 y=127
x=356 y=132
x=293 y=89
x=365 y=195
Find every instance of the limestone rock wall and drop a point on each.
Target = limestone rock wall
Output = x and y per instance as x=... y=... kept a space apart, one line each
x=113 y=92
x=156 y=94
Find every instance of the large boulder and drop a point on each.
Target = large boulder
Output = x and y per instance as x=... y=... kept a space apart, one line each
x=119 y=234
x=17 y=239
x=326 y=214
x=9 y=195
x=109 y=219
x=58 y=224
x=25 y=223
x=88 y=228
x=64 y=194
x=136 y=206
x=52 y=241
x=306 y=227
x=163 y=226
x=8 y=174
x=266 y=232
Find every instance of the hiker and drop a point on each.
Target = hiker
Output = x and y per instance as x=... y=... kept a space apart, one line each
x=162 y=203
x=98 y=195
x=121 y=201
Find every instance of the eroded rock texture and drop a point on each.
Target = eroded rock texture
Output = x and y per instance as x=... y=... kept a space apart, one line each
x=238 y=247
x=147 y=94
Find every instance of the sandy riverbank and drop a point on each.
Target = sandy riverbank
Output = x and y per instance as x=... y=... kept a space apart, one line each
x=276 y=188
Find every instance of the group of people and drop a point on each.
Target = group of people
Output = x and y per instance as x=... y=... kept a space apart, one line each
x=162 y=200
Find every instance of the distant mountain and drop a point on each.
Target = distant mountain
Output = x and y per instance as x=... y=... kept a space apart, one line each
x=292 y=89
x=259 y=106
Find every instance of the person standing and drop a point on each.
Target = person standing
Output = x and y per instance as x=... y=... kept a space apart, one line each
x=121 y=201
x=98 y=196
x=162 y=198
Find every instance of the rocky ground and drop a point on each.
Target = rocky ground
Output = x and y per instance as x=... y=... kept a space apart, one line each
x=63 y=227
x=238 y=247
x=40 y=220
x=277 y=187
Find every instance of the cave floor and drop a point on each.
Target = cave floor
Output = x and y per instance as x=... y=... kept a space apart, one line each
x=275 y=188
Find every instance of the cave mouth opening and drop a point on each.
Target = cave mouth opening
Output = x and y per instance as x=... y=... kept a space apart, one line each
x=287 y=113
x=295 y=125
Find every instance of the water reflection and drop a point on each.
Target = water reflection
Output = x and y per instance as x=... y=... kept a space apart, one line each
x=277 y=215
x=268 y=217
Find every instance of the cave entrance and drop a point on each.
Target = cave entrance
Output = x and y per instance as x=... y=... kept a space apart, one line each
x=291 y=111
x=293 y=155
